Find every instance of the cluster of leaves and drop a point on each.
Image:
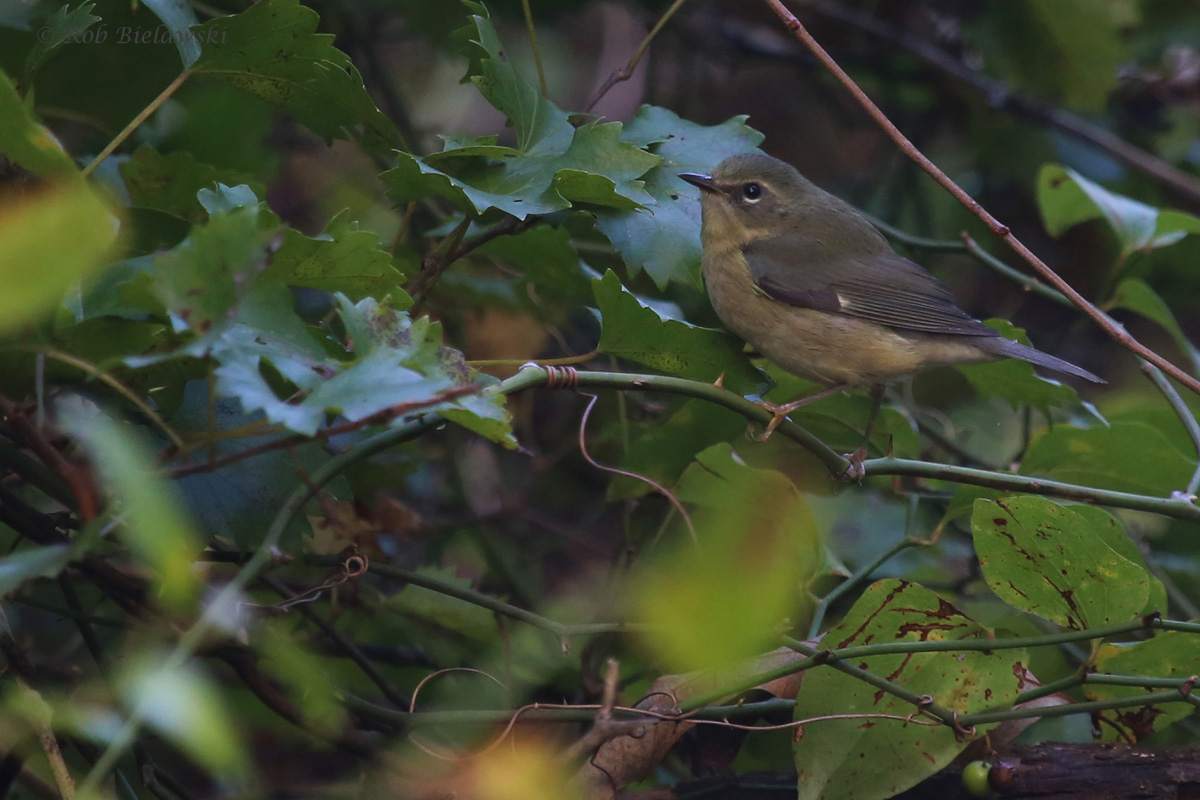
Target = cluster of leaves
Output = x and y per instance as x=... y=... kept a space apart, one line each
x=227 y=385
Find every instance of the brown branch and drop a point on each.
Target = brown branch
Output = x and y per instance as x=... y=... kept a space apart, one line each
x=78 y=478
x=378 y=418
x=1001 y=231
x=1001 y=96
x=344 y=645
x=434 y=265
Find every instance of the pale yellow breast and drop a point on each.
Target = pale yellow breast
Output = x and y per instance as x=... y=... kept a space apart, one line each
x=823 y=347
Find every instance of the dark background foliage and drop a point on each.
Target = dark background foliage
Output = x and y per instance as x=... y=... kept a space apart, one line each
x=314 y=294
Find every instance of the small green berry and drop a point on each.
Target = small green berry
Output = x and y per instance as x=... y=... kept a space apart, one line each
x=975 y=778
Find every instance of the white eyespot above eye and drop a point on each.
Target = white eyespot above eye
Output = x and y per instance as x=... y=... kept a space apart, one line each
x=752 y=192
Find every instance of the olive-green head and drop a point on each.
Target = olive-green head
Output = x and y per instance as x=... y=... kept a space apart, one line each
x=752 y=195
x=751 y=191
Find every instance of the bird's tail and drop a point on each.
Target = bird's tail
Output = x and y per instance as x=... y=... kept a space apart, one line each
x=1010 y=349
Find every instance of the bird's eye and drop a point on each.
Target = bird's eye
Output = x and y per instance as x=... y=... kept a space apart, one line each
x=752 y=191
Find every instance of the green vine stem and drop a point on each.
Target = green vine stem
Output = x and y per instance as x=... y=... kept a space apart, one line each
x=136 y=122
x=587 y=713
x=816 y=656
x=532 y=376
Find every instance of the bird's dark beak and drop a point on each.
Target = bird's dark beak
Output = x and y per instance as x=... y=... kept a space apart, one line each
x=703 y=182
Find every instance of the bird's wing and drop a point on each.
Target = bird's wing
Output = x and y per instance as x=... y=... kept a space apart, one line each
x=884 y=288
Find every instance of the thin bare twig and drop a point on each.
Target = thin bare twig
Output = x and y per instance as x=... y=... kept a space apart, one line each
x=454 y=248
x=378 y=418
x=345 y=645
x=133 y=125
x=1001 y=231
x=533 y=43
x=658 y=487
x=626 y=72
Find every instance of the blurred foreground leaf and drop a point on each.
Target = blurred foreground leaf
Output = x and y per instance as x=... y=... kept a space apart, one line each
x=149 y=509
x=48 y=241
x=724 y=596
x=187 y=707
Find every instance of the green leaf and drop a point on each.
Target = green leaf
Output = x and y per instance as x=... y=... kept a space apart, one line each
x=1048 y=560
x=1169 y=654
x=637 y=332
x=665 y=448
x=1016 y=381
x=272 y=51
x=871 y=759
x=178 y=17
x=388 y=360
x=1066 y=199
x=595 y=168
x=459 y=146
x=186 y=706
x=1137 y=296
x=1067 y=50
x=25 y=565
x=548 y=260
x=342 y=259
x=122 y=289
x=48 y=240
x=541 y=127
x=238 y=502
x=722 y=597
x=170 y=182
x=664 y=237
x=554 y=165
x=1125 y=456
x=61 y=24
x=1112 y=533
x=203 y=279
x=150 y=509
x=1083 y=49
x=303 y=674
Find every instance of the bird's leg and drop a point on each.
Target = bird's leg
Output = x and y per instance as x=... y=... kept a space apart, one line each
x=856 y=472
x=780 y=412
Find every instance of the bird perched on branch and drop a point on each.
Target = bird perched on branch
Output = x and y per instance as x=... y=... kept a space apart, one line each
x=813 y=286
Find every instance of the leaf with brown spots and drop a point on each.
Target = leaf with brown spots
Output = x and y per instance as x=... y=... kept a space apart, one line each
x=1051 y=560
x=863 y=758
x=1168 y=655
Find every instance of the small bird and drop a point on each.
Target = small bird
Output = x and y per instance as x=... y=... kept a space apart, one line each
x=813 y=286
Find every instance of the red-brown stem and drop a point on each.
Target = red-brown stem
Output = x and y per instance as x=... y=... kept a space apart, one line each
x=1000 y=230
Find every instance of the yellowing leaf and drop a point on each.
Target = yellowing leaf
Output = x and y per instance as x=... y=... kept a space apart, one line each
x=47 y=242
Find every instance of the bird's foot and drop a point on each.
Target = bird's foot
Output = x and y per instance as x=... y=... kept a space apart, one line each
x=856 y=471
x=778 y=414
